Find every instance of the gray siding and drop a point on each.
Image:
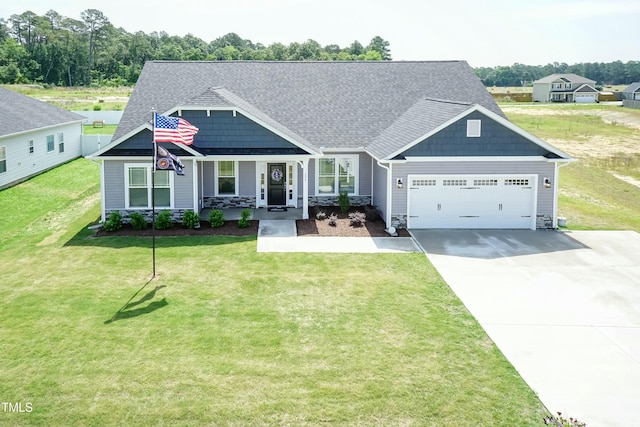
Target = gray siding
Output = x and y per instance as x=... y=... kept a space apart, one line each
x=542 y=169
x=495 y=140
x=114 y=191
x=114 y=184
x=364 y=184
x=247 y=176
x=380 y=189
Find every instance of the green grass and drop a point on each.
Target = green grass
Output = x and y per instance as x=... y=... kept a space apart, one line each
x=228 y=336
x=591 y=196
x=104 y=130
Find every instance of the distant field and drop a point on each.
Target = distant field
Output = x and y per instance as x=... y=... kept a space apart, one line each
x=78 y=98
x=529 y=89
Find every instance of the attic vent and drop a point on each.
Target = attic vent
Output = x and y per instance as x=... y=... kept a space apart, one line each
x=473 y=128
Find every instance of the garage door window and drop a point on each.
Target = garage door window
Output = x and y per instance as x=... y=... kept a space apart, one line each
x=516 y=182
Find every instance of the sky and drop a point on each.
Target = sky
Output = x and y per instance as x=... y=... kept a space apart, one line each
x=485 y=33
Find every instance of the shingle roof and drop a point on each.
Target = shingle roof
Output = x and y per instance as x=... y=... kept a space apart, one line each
x=632 y=88
x=573 y=78
x=328 y=104
x=20 y=113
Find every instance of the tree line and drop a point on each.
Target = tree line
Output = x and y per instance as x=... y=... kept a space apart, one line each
x=612 y=73
x=57 y=50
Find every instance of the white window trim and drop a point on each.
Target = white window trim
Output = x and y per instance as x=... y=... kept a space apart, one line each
x=149 y=170
x=60 y=142
x=474 y=128
x=354 y=158
x=32 y=147
x=216 y=176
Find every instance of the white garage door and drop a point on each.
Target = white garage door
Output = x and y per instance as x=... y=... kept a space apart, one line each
x=471 y=201
x=585 y=97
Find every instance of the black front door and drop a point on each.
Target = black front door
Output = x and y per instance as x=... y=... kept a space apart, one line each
x=277 y=184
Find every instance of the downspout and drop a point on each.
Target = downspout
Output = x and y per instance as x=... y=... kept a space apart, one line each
x=387 y=219
x=555 y=192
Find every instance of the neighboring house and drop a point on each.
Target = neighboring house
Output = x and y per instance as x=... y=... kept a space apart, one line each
x=423 y=141
x=565 y=88
x=632 y=92
x=34 y=137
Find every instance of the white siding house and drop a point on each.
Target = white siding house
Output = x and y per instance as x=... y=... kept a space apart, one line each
x=34 y=137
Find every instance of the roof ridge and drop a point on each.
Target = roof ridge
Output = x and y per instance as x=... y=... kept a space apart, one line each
x=448 y=101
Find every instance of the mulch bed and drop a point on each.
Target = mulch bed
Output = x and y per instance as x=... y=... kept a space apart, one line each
x=230 y=228
x=306 y=227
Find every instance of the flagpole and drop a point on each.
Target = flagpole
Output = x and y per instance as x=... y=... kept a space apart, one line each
x=153 y=194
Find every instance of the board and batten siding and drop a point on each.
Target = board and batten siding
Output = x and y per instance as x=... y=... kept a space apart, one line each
x=542 y=169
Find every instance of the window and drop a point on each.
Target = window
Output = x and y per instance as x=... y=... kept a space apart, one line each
x=473 y=128
x=138 y=187
x=337 y=175
x=226 y=181
x=3 y=159
x=31 y=146
x=50 y=143
x=61 y=142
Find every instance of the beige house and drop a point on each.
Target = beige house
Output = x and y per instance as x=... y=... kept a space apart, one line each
x=565 y=88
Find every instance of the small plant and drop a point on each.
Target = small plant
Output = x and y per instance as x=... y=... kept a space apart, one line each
x=560 y=421
x=343 y=202
x=138 y=221
x=190 y=219
x=357 y=219
x=114 y=222
x=243 y=222
x=321 y=215
x=333 y=219
x=163 y=221
x=216 y=218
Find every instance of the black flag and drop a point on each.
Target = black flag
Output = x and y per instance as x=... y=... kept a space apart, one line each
x=167 y=161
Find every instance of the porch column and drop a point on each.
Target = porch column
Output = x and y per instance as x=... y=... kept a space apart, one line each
x=305 y=189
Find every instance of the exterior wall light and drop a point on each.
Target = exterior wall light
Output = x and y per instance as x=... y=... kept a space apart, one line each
x=399 y=183
x=547 y=183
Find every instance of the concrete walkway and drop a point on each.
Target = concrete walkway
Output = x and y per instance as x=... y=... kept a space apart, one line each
x=281 y=236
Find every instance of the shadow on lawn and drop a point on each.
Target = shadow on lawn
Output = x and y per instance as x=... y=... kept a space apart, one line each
x=127 y=311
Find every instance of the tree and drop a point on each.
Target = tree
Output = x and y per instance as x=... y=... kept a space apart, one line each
x=378 y=44
x=96 y=23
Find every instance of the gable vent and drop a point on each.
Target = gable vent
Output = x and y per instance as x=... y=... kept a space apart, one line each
x=473 y=128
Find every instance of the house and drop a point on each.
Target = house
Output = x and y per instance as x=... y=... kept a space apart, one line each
x=422 y=141
x=565 y=88
x=34 y=137
x=631 y=93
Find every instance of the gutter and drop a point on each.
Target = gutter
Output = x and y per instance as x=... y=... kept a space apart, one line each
x=387 y=220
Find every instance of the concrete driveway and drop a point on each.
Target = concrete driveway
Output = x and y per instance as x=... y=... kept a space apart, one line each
x=563 y=307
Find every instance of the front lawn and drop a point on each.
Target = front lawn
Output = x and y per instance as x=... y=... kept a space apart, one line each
x=228 y=336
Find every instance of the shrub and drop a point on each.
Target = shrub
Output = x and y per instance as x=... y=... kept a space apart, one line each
x=357 y=219
x=163 y=221
x=321 y=215
x=333 y=219
x=561 y=421
x=190 y=219
x=138 y=221
x=343 y=202
x=114 y=222
x=243 y=222
x=216 y=218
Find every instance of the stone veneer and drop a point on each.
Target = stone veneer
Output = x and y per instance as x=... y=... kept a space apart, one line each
x=543 y=222
x=333 y=200
x=229 y=202
x=176 y=214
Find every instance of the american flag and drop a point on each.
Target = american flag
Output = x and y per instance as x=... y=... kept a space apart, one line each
x=173 y=129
